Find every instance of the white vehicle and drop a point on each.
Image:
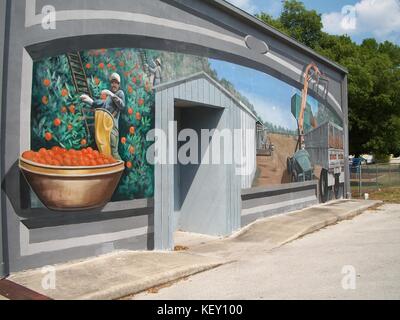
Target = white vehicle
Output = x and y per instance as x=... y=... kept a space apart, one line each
x=369 y=159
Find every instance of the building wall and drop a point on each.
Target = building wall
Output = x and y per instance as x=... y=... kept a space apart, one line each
x=267 y=201
x=3 y=23
x=37 y=237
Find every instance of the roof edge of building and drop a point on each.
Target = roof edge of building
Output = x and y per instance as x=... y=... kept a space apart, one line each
x=232 y=9
x=203 y=74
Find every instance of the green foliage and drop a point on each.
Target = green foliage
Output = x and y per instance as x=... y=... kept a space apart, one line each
x=135 y=120
x=54 y=98
x=302 y=24
x=273 y=128
x=373 y=80
x=276 y=23
x=134 y=123
x=381 y=158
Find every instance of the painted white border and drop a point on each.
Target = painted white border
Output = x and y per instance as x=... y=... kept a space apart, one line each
x=27 y=248
x=25 y=102
x=277 y=205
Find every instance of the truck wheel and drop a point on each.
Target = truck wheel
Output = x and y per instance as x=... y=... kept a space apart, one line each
x=338 y=188
x=323 y=186
x=293 y=177
x=340 y=194
x=331 y=193
x=289 y=166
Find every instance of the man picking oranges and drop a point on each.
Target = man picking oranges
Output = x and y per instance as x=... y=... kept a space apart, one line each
x=107 y=114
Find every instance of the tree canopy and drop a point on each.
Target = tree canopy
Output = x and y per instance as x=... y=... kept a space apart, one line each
x=373 y=81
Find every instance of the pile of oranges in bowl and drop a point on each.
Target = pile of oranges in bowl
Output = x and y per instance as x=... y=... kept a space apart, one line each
x=58 y=156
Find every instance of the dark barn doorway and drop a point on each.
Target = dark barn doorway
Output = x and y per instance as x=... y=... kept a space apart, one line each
x=197 y=185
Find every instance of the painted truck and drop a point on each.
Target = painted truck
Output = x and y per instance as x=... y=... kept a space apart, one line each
x=325 y=145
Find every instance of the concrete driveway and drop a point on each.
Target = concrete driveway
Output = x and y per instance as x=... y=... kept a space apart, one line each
x=354 y=259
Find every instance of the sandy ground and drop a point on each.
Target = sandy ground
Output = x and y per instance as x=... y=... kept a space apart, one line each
x=272 y=169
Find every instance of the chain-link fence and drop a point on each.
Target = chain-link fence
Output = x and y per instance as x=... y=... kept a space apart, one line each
x=369 y=178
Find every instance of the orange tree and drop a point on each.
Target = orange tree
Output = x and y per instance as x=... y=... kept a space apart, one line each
x=57 y=111
x=135 y=120
x=56 y=115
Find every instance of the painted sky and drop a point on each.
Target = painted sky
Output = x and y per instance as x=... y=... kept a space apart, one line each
x=360 y=18
x=271 y=97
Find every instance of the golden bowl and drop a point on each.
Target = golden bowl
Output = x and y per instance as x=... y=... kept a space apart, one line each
x=72 y=188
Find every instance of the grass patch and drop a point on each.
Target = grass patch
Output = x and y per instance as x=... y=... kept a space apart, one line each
x=391 y=195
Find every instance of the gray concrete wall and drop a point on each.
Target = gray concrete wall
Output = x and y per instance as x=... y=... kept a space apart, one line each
x=3 y=64
x=263 y=202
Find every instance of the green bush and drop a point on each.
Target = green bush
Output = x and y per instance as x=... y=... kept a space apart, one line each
x=382 y=158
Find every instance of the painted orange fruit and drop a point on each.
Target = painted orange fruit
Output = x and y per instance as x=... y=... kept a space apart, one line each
x=48 y=136
x=57 y=122
x=45 y=100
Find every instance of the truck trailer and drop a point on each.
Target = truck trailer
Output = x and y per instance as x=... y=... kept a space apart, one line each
x=325 y=145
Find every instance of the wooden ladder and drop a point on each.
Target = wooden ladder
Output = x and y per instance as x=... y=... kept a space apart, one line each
x=81 y=85
x=143 y=57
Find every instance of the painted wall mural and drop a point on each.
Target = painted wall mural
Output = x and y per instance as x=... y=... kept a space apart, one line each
x=80 y=120
x=91 y=111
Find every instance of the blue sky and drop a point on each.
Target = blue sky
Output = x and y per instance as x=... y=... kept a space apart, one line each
x=361 y=19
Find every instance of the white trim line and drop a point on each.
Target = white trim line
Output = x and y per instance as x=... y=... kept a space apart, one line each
x=55 y=245
x=260 y=209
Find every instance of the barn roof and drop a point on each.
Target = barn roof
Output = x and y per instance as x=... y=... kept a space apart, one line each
x=203 y=75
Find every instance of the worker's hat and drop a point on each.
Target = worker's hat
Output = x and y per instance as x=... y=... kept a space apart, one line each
x=115 y=76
